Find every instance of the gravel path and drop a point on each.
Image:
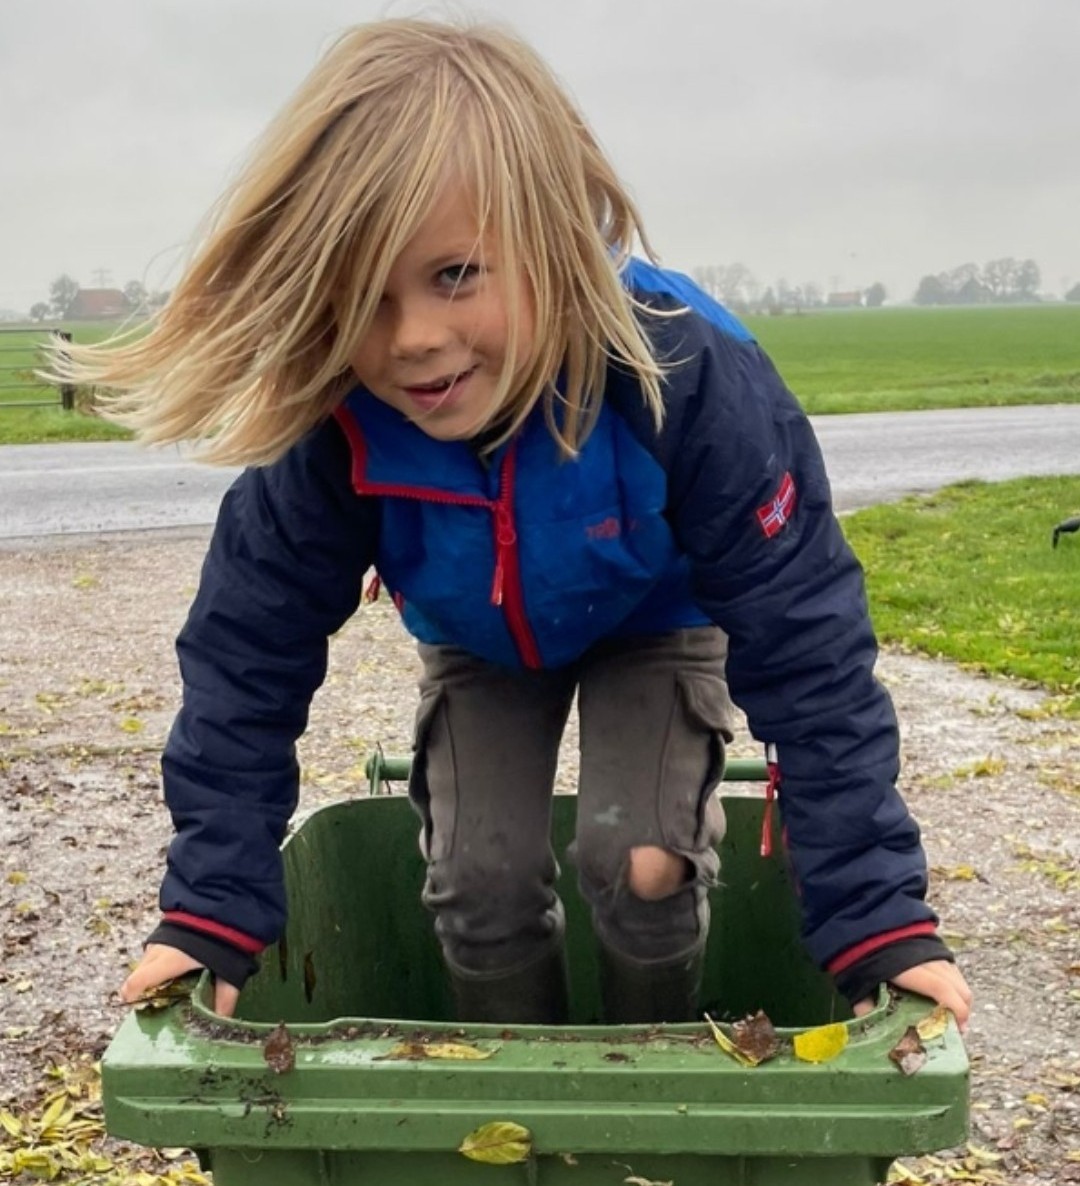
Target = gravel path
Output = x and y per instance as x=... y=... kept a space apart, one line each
x=88 y=687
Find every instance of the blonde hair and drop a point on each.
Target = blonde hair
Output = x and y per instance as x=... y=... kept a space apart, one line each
x=252 y=348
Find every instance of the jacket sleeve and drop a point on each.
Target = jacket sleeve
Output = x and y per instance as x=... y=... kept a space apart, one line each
x=751 y=507
x=283 y=573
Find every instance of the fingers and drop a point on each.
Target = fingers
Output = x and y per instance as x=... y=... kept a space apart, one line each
x=161 y=964
x=225 y=998
x=158 y=965
x=863 y=1007
x=943 y=982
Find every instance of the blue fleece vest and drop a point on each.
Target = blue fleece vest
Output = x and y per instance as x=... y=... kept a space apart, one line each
x=524 y=559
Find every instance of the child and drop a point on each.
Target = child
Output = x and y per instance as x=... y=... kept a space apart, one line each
x=418 y=321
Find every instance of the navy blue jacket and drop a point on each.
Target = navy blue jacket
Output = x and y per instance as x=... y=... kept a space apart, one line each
x=722 y=515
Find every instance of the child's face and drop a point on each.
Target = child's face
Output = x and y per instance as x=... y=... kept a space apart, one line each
x=439 y=341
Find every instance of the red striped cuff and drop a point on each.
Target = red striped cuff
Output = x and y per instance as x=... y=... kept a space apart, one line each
x=853 y=954
x=206 y=926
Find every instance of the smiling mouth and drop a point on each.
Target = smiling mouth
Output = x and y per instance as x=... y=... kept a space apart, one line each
x=439 y=388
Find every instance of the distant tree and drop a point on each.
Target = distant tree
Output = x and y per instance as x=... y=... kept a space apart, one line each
x=875 y=295
x=1028 y=280
x=62 y=294
x=814 y=296
x=39 y=311
x=1074 y=293
x=932 y=291
x=1000 y=277
x=135 y=295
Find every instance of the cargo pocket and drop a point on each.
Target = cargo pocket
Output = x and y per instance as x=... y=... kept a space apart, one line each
x=692 y=818
x=419 y=787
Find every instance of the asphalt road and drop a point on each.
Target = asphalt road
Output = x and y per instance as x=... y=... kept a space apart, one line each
x=72 y=489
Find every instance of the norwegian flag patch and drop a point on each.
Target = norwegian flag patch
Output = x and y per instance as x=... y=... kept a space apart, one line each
x=779 y=509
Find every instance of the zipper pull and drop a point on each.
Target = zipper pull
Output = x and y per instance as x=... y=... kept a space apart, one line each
x=505 y=538
x=772 y=764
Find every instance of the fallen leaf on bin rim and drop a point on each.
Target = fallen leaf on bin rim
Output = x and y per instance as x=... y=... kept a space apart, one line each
x=821 y=1044
x=452 y=1051
x=728 y=1046
x=279 y=1052
x=934 y=1024
x=756 y=1037
x=909 y=1054
x=167 y=994
x=502 y=1142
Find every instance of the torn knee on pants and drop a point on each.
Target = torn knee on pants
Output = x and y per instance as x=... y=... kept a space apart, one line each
x=653 y=873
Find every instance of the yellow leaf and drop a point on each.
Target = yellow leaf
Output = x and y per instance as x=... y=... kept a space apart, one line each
x=822 y=1044
x=455 y=1050
x=418 y=1051
x=934 y=1024
x=131 y=725
x=900 y=1175
x=1036 y=1099
x=729 y=1047
x=55 y=1111
x=502 y=1142
x=984 y=1155
x=11 y=1124
x=17 y=878
x=85 y=581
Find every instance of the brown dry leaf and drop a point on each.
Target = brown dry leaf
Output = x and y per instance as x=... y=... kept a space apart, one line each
x=822 y=1044
x=728 y=1046
x=502 y=1142
x=279 y=1052
x=934 y=1024
x=909 y=1054
x=756 y=1037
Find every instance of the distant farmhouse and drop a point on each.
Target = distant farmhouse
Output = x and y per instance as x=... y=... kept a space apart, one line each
x=98 y=304
x=845 y=300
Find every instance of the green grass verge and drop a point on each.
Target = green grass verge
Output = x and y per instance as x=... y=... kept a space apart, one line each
x=24 y=423
x=969 y=573
x=864 y=360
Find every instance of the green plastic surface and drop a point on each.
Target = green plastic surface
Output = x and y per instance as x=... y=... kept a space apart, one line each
x=359 y=973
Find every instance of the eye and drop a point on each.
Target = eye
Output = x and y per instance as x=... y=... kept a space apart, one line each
x=456 y=276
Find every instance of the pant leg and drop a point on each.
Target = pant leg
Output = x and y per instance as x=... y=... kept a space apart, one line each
x=486 y=749
x=655 y=716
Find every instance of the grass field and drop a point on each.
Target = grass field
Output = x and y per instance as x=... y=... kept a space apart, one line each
x=25 y=423
x=875 y=360
x=865 y=360
x=969 y=573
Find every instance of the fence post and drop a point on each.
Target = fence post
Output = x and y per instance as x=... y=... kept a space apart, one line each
x=67 y=390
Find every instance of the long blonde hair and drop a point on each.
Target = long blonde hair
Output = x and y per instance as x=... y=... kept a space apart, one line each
x=252 y=348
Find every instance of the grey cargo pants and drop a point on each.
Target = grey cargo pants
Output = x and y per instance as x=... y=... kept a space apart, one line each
x=654 y=717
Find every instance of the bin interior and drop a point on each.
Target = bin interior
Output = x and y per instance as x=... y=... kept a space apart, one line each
x=359 y=943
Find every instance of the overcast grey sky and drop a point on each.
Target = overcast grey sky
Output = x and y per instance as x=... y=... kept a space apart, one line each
x=838 y=142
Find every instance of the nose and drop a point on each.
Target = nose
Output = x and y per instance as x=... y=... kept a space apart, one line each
x=419 y=328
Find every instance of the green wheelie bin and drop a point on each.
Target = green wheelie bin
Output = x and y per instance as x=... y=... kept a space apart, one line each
x=344 y=1067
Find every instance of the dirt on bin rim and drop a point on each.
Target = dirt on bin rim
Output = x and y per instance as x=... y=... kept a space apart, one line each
x=88 y=688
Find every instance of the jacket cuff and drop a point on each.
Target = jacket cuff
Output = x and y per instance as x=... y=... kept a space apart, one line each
x=226 y=962
x=860 y=979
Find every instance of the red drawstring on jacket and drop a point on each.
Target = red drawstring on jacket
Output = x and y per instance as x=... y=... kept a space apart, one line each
x=772 y=765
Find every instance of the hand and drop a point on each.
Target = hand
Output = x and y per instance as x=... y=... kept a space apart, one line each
x=939 y=980
x=160 y=964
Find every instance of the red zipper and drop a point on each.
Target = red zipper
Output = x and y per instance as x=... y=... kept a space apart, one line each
x=772 y=765
x=506 y=587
